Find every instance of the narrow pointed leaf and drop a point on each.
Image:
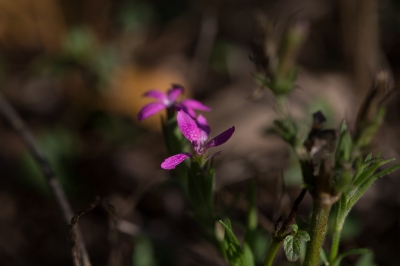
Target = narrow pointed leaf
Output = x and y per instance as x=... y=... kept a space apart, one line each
x=369 y=156
x=248 y=257
x=232 y=247
x=323 y=256
x=387 y=171
x=369 y=173
x=357 y=251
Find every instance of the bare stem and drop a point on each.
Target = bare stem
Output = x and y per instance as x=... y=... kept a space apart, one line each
x=80 y=255
x=273 y=249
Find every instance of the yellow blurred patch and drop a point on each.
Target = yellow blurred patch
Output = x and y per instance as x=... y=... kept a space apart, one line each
x=130 y=83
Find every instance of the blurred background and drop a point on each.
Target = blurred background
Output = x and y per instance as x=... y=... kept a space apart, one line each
x=76 y=72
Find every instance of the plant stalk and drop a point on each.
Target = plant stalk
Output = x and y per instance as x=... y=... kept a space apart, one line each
x=337 y=232
x=318 y=225
x=335 y=245
x=273 y=249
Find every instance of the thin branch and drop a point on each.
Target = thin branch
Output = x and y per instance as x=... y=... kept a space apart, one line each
x=292 y=214
x=80 y=255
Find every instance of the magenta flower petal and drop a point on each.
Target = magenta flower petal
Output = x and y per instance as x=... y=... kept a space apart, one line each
x=173 y=161
x=174 y=93
x=221 y=138
x=157 y=95
x=150 y=109
x=204 y=128
x=188 y=127
x=193 y=104
x=189 y=111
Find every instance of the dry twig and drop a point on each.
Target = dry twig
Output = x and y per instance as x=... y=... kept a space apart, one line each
x=79 y=252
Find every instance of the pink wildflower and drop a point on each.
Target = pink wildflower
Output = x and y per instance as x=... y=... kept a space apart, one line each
x=197 y=133
x=168 y=100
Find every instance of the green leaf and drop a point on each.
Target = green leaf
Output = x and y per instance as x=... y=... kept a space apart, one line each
x=295 y=228
x=343 y=126
x=292 y=247
x=286 y=130
x=366 y=179
x=357 y=251
x=143 y=253
x=366 y=260
x=368 y=157
x=368 y=130
x=355 y=195
x=324 y=257
x=232 y=247
x=252 y=219
x=387 y=171
x=344 y=147
x=370 y=171
x=248 y=257
x=303 y=235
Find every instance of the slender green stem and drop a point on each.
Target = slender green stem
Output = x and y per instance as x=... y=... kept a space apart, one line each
x=273 y=249
x=281 y=107
x=335 y=245
x=341 y=214
x=319 y=221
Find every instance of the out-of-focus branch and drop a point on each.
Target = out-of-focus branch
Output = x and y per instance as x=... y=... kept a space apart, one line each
x=79 y=253
x=360 y=29
x=204 y=45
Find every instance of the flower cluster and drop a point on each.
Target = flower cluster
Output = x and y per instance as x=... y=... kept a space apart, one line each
x=195 y=129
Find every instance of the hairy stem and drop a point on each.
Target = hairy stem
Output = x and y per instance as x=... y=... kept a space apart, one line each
x=318 y=225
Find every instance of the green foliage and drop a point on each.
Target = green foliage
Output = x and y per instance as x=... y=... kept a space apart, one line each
x=357 y=251
x=365 y=176
x=79 y=44
x=248 y=257
x=200 y=188
x=324 y=257
x=286 y=130
x=366 y=260
x=292 y=243
x=135 y=15
x=143 y=253
x=292 y=247
x=232 y=247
